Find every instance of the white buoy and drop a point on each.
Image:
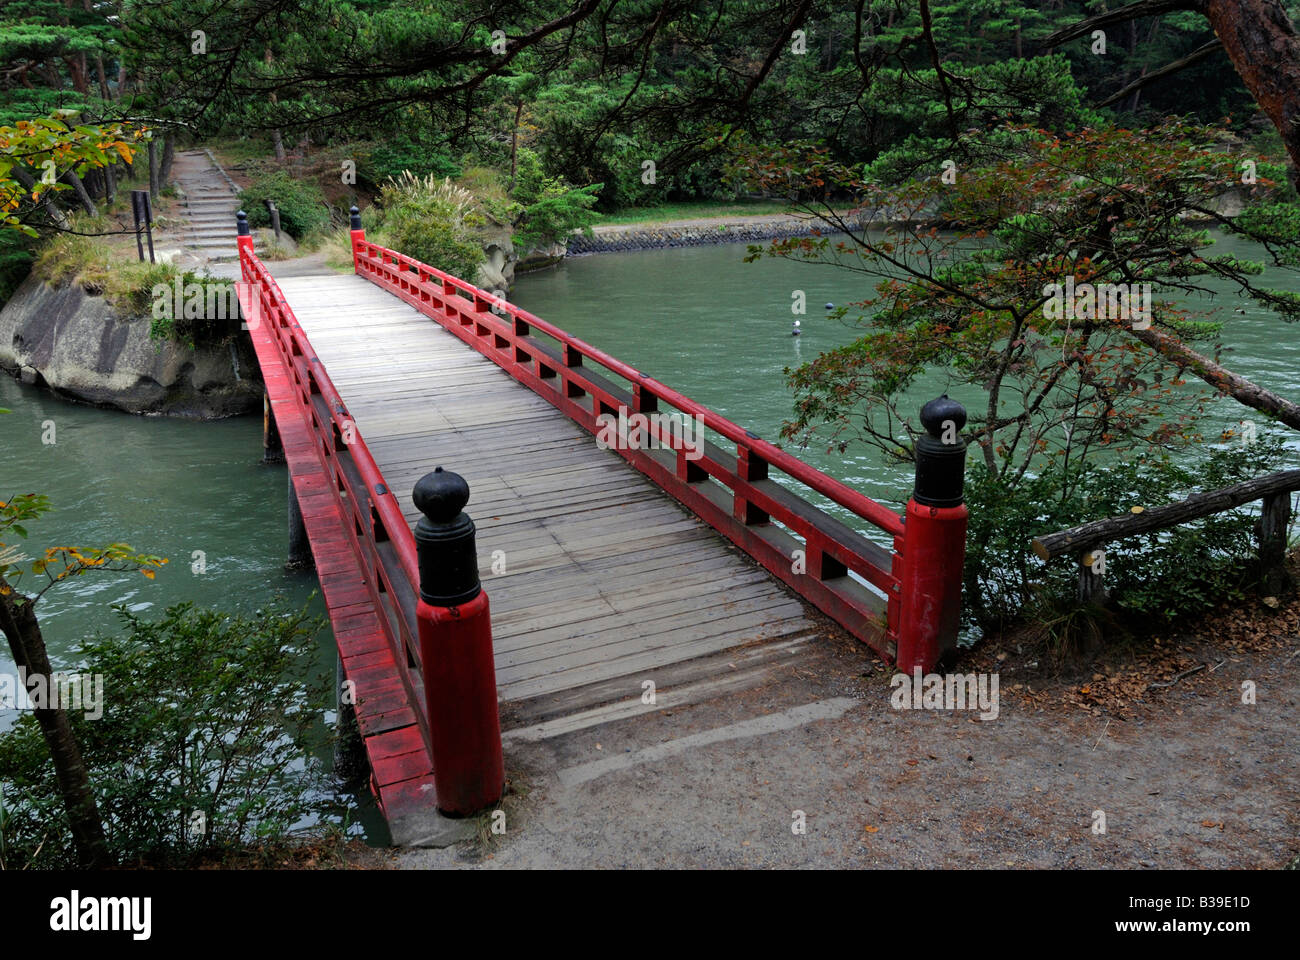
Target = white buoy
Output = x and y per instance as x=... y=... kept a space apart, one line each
x=795 y=331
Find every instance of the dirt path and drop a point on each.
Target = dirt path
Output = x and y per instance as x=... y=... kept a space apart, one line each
x=1187 y=775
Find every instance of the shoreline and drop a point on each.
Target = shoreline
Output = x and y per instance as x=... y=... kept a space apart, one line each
x=652 y=235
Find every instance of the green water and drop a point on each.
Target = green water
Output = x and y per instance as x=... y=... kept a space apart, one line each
x=167 y=487
x=717 y=329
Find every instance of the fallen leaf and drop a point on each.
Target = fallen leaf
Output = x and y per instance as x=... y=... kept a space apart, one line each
x=870 y=829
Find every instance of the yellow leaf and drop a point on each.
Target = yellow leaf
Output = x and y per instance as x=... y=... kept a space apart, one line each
x=871 y=829
x=148 y=573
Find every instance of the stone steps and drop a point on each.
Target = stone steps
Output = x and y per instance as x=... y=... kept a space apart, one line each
x=207 y=210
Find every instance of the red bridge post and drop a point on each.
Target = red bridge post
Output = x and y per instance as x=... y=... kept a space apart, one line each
x=460 y=688
x=934 y=541
x=358 y=237
x=244 y=241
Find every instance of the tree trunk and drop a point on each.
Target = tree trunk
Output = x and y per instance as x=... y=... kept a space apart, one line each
x=514 y=144
x=1262 y=43
x=51 y=208
x=1274 y=521
x=153 y=171
x=82 y=196
x=18 y=619
x=103 y=78
x=169 y=154
x=1239 y=388
x=99 y=57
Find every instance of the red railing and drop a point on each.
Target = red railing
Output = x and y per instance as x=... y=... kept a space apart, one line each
x=381 y=538
x=733 y=493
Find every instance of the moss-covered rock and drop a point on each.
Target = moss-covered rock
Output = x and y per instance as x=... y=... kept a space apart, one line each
x=76 y=344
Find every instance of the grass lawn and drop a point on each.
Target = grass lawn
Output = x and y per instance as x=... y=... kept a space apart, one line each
x=694 y=211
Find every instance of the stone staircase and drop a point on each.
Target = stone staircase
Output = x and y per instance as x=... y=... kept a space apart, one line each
x=209 y=207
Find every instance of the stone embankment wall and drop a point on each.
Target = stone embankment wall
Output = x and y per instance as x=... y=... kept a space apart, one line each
x=651 y=236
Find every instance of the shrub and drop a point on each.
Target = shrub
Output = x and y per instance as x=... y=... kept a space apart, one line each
x=551 y=208
x=300 y=202
x=432 y=221
x=205 y=742
x=1152 y=577
x=15 y=262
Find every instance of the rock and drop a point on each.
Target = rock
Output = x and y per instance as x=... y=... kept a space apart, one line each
x=498 y=270
x=75 y=344
x=264 y=238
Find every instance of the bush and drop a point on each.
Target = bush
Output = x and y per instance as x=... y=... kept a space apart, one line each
x=1155 y=577
x=400 y=153
x=552 y=208
x=15 y=262
x=204 y=744
x=300 y=202
x=432 y=221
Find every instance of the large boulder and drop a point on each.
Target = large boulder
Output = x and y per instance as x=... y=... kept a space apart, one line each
x=77 y=345
x=497 y=272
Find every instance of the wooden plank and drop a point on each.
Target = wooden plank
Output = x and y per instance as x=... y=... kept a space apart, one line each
x=605 y=572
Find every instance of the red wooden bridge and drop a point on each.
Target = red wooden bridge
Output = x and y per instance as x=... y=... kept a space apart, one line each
x=599 y=579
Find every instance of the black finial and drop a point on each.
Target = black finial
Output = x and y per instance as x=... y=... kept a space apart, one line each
x=940 y=454
x=241 y=220
x=444 y=540
x=936 y=413
x=356 y=218
x=441 y=495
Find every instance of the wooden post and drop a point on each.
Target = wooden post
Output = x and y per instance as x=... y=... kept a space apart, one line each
x=1271 y=529
x=1092 y=568
x=272 y=445
x=934 y=542
x=300 y=556
x=350 y=761
x=455 y=627
x=358 y=234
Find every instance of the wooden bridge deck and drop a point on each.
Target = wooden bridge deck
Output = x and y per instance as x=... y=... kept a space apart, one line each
x=605 y=576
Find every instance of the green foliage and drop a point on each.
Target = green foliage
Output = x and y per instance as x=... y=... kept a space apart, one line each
x=47 y=148
x=433 y=222
x=399 y=152
x=1155 y=577
x=301 y=204
x=1040 y=93
x=552 y=209
x=15 y=262
x=204 y=744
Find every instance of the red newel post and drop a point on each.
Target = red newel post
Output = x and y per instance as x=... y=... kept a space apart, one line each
x=934 y=541
x=460 y=685
x=358 y=238
x=244 y=242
